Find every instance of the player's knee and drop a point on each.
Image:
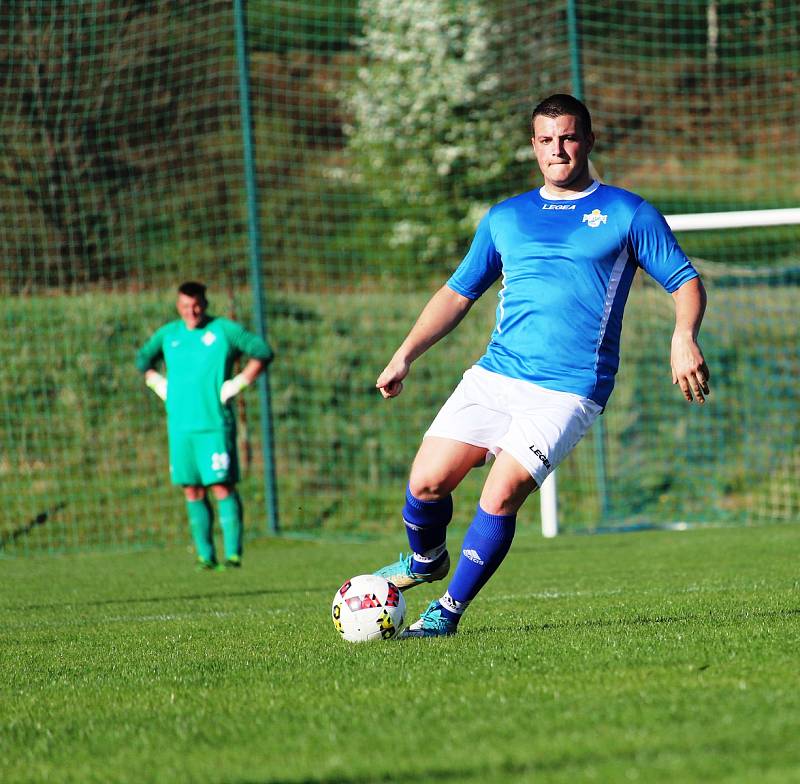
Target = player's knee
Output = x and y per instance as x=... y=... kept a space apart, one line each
x=496 y=501
x=221 y=492
x=194 y=492
x=499 y=506
x=428 y=487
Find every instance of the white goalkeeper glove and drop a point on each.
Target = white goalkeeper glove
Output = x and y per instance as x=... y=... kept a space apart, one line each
x=157 y=383
x=231 y=387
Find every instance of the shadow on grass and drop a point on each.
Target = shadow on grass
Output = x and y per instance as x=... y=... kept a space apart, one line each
x=643 y=620
x=577 y=761
x=157 y=599
x=449 y=774
x=388 y=778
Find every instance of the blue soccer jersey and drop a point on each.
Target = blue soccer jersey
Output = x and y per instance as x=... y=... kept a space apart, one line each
x=567 y=267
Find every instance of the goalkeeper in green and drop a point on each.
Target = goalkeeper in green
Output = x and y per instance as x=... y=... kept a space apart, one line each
x=199 y=351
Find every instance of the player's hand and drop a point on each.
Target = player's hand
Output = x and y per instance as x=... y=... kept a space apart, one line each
x=157 y=383
x=689 y=369
x=232 y=387
x=390 y=382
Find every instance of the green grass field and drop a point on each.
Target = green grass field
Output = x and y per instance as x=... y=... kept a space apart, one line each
x=650 y=657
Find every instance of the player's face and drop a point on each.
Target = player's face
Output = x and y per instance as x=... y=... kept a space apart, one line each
x=562 y=151
x=191 y=310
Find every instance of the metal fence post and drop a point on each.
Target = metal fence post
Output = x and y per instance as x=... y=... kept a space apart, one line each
x=254 y=235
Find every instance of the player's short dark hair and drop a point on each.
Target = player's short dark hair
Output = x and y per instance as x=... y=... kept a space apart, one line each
x=560 y=104
x=193 y=289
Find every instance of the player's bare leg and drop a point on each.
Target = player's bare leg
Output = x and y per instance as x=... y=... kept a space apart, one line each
x=507 y=486
x=486 y=544
x=439 y=467
x=194 y=492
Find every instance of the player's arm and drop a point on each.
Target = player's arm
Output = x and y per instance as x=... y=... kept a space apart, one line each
x=441 y=315
x=658 y=252
x=155 y=381
x=689 y=368
x=146 y=359
x=251 y=345
x=233 y=386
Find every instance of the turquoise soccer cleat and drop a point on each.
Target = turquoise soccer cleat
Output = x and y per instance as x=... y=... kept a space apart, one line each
x=432 y=623
x=401 y=575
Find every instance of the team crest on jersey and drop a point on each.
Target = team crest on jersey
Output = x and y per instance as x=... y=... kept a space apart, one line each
x=209 y=338
x=595 y=218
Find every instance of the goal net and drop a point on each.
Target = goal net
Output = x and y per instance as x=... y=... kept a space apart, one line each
x=381 y=132
x=653 y=461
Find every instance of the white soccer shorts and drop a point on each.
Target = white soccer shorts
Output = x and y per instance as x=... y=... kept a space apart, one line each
x=538 y=427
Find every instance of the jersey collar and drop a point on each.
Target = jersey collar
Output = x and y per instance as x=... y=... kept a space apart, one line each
x=545 y=194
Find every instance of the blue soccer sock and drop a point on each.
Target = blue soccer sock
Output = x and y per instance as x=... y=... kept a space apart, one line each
x=426 y=527
x=201 y=519
x=451 y=608
x=230 y=520
x=486 y=544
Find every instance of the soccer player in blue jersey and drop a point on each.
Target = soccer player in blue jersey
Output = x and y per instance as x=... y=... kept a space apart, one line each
x=567 y=253
x=199 y=351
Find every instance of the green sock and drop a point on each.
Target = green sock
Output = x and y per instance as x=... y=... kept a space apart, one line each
x=200 y=522
x=230 y=520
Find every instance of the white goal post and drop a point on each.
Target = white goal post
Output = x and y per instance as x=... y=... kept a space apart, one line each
x=701 y=221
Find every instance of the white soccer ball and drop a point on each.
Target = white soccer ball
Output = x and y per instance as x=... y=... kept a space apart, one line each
x=368 y=607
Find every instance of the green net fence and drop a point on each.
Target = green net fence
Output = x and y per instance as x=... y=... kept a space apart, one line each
x=382 y=132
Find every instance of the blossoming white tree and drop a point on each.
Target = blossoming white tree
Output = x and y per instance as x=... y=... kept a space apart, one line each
x=433 y=135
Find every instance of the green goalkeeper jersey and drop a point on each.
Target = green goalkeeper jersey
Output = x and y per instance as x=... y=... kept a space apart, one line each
x=198 y=361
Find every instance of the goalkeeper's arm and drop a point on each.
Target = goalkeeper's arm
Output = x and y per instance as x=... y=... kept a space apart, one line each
x=146 y=359
x=156 y=382
x=233 y=386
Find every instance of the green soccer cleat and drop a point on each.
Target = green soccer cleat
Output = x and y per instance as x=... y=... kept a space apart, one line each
x=234 y=562
x=401 y=575
x=432 y=623
x=204 y=565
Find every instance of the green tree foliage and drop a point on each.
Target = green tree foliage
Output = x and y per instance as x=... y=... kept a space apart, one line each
x=433 y=134
x=324 y=26
x=101 y=104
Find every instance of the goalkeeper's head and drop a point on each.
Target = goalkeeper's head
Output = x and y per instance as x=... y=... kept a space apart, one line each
x=192 y=303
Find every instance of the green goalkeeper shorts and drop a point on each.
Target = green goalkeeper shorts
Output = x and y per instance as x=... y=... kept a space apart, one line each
x=205 y=458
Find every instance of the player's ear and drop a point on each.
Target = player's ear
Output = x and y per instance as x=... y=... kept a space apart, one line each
x=590 y=141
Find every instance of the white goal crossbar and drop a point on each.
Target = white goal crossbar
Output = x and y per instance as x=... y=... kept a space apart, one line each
x=704 y=221
x=700 y=221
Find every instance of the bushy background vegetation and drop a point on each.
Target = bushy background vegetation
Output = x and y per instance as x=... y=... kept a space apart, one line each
x=80 y=427
x=382 y=130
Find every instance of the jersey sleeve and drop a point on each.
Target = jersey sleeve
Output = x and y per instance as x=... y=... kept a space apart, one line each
x=656 y=249
x=481 y=266
x=151 y=352
x=246 y=342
